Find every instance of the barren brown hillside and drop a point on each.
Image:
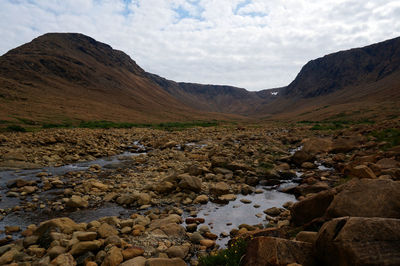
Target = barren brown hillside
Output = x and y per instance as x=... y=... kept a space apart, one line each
x=62 y=77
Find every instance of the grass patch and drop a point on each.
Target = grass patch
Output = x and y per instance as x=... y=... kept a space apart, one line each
x=335 y=124
x=329 y=126
x=391 y=136
x=16 y=128
x=231 y=256
x=26 y=121
x=109 y=124
x=51 y=125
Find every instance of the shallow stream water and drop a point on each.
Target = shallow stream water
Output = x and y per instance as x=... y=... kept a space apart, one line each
x=220 y=218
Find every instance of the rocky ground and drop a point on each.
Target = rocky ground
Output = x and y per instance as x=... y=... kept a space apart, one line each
x=349 y=207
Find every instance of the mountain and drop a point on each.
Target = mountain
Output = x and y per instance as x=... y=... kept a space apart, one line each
x=69 y=76
x=215 y=98
x=363 y=81
x=354 y=67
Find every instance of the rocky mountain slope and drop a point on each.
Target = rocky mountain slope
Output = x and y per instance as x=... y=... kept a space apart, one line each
x=64 y=76
x=61 y=76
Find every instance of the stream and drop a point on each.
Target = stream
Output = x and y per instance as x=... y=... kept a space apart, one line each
x=220 y=218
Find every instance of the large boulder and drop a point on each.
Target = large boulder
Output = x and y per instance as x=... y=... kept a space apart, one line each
x=311 y=208
x=317 y=145
x=367 y=198
x=220 y=188
x=301 y=156
x=277 y=251
x=189 y=182
x=359 y=241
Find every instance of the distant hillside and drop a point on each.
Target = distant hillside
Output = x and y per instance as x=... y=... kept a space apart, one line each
x=349 y=68
x=67 y=76
x=63 y=76
x=215 y=98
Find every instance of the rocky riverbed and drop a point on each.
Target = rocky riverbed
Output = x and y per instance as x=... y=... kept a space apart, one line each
x=147 y=197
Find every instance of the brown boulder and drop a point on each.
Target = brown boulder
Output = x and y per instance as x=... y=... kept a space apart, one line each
x=317 y=145
x=387 y=163
x=361 y=171
x=367 y=198
x=273 y=251
x=301 y=156
x=312 y=207
x=114 y=257
x=359 y=241
x=220 y=188
x=189 y=182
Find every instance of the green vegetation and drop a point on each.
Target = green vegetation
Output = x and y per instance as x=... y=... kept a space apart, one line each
x=391 y=136
x=16 y=128
x=108 y=124
x=335 y=124
x=231 y=256
x=26 y=121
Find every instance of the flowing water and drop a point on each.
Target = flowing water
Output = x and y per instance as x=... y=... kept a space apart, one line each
x=220 y=218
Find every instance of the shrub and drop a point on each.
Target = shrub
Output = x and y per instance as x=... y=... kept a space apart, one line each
x=231 y=256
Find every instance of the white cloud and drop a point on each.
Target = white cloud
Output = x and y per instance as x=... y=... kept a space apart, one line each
x=255 y=44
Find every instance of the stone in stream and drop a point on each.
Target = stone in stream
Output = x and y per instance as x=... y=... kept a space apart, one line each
x=220 y=188
x=77 y=202
x=245 y=201
x=189 y=182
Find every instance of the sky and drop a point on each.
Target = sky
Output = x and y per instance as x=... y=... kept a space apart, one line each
x=253 y=44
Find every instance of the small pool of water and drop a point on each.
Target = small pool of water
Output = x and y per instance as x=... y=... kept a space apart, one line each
x=223 y=218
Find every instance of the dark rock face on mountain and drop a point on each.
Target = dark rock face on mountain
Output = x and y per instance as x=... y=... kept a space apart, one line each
x=353 y=67
x=215 y=98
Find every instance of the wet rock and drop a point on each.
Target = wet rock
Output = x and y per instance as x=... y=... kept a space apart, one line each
x=301 y=156
x=207 y=243
x=138 y=261
x=305 y=189
x=114 y=257
x=173 y=230
x=84 y=236
x=189 y=182
x=65 y=259
x=361 y=171
x=12 y=229
x=77 y=202
x=277 y=251
x=317 y=145
x=202 y=199
x=226 y=198
x=274 y=211
x=367 y=198
x=196 y=237
x=132 y=252
x=219 y=188
x=56 y=251
x=8 y=256
x=85 y=246
x=359 y=241
x=177 y=251
x=106 y=230
x=245 y=201
x=311 y=207
x=164 y=187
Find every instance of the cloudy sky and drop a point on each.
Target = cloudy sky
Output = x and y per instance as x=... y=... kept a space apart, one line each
x=255 y=44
